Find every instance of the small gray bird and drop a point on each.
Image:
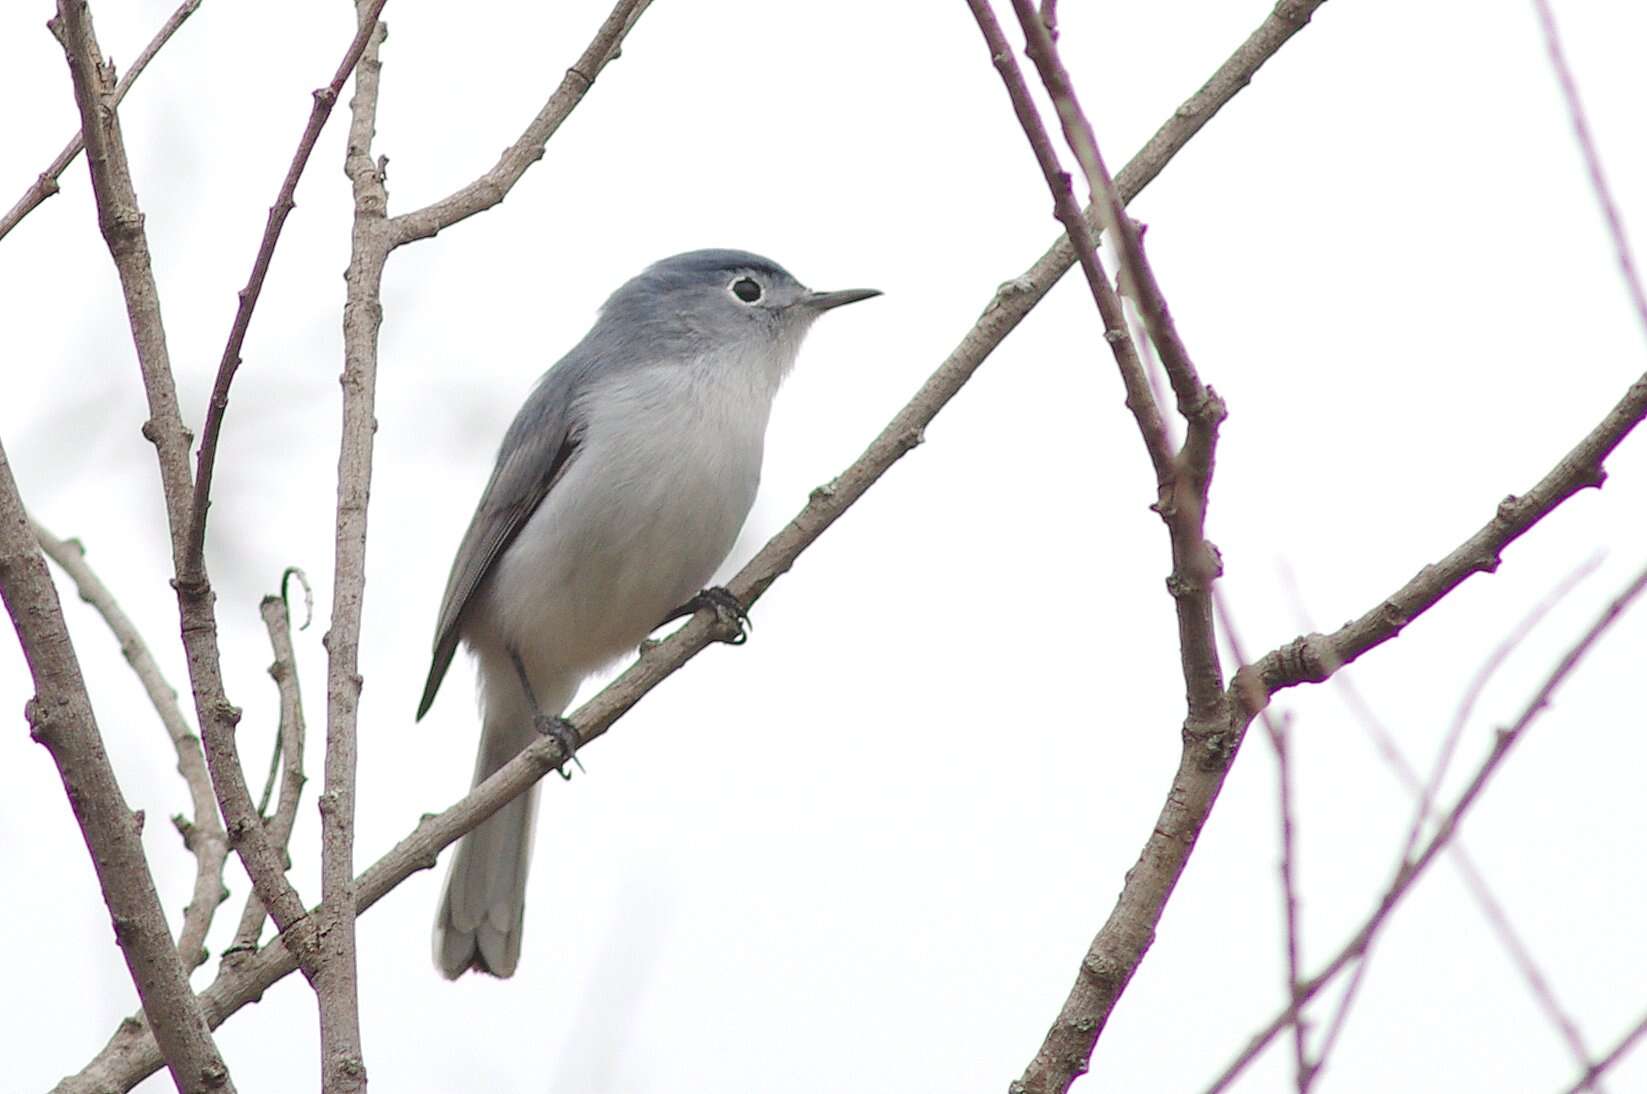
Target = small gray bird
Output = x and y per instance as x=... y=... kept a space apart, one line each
x=619 y=488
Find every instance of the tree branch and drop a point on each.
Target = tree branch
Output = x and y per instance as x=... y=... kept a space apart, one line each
x=1312 y=658
x=122 y=225
x=203 y=835
x=289 y=756
x=1182 y=481
x=491 y=188
x=45 y=185
x=60 y=717
x=1411 y=869
x=191 y=567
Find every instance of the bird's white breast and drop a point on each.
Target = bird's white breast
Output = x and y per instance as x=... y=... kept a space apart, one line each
x=650 y=505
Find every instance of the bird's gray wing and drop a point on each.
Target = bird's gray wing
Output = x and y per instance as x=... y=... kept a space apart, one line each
x=540 y=445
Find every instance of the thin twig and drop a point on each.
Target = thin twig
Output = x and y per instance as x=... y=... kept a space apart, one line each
x=45 y=185
x=203 y=833
x=1592 y=161
x=1587 y=1080
x=1139 y=399
x=1277 y=729
x=192 y=563
x=1424 y=794
x=1411 y=870
x=492 y=187
x=60 y=717
x=288 y=757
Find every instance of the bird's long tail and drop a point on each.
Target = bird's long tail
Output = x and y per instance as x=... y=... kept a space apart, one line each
x=483 y=905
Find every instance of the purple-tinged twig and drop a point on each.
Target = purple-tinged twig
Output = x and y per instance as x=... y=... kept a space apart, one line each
x=1195 y=563
x=1592 y=160
x=1277 y=730
x=202 y=834
x=60 y=717
x=1424 y=794
x=45 y=185
x=1587 y=1080
x=1412 y=869
x=1182 y=480
x=191 y=568
x=1139 y=399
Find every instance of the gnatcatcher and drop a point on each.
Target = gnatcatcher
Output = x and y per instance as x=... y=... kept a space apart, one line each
x=619 y=488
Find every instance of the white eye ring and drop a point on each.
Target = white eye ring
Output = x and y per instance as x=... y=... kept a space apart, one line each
x=746 y=290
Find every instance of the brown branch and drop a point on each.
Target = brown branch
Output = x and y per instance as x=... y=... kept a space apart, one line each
x=191 y=567
x=342 y=1062
x=202 y=834
x=1411 y=870
x=1183 y=504
x=1312 y=658
x=491 y=188
x=60 y=717
x=130 y=1055
x=122 y=225
x=45 y=185
x=1182 y=481
x=1139 y=399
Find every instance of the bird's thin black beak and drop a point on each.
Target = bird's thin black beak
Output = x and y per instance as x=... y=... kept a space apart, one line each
x=823 y=301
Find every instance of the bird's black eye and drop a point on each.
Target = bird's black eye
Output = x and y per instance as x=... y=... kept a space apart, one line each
x=746 y=289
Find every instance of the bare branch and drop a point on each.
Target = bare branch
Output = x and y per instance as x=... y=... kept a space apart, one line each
x=492 y=187
x=60 y=717
x=289 y=740
x=191 y=566
x=1411 y=870
x=1183 y=503
x=1592 y=161
x=1277 y=729
x=203 y=834
x=1424 y=794
x=1312 y=658
x=122 y=225
x=342 y=1062
x=1182 y=481
x=45 y=185
x=1140 y=400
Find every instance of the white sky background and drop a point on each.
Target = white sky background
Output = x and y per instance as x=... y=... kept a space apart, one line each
x=867 y=850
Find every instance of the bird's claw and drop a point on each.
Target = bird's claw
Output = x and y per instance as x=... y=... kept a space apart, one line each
x=564 y=732
x=727 y=608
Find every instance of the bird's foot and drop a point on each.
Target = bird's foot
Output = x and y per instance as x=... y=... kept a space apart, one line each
x=728 y=610
x=564 y=732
